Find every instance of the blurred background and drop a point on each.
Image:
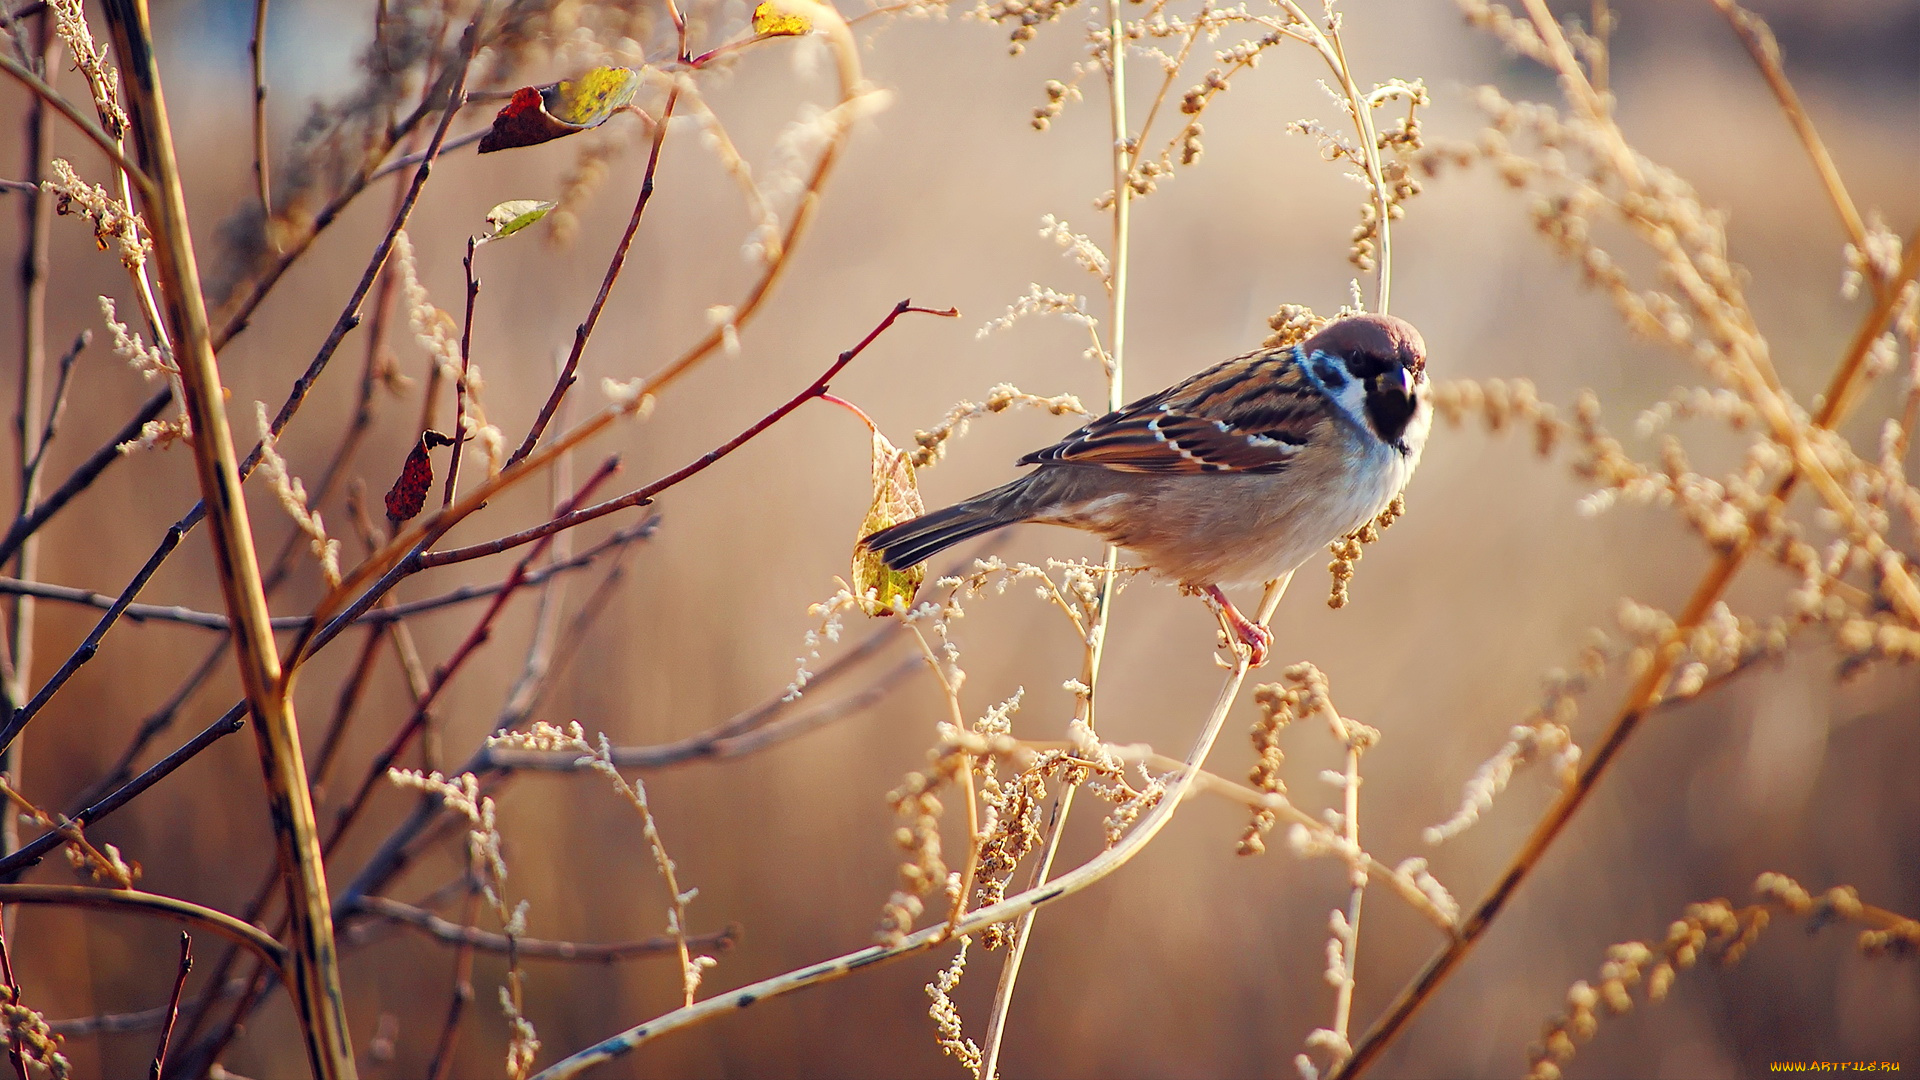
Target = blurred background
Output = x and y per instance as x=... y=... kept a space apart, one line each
x=1191 y=961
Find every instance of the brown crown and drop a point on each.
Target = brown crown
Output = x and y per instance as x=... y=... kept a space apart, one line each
x=1380 y=337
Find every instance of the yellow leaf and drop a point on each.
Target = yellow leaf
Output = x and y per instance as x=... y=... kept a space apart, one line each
x=781 y=18
x=594 y=96
x=896 y=498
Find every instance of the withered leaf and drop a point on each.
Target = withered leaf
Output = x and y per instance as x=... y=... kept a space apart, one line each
x=409 y=492
x=538 y=114
x=896 y=498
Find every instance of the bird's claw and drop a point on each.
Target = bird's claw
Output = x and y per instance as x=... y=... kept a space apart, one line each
x=1258 y=639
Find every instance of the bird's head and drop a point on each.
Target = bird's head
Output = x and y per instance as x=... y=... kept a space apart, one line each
x=1387 y=360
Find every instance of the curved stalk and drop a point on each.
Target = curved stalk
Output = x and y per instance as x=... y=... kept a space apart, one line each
x=1093 y=870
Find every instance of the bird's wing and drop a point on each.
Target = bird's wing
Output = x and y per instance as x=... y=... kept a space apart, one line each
x=1250 y=414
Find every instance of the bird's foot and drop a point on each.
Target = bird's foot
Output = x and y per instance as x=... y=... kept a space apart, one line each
x=1258 y=639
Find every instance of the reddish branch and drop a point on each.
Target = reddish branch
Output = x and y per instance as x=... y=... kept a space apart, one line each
x=173 y=1005
x=585 y=330
x=643 y=496
x=396 y=746
x=462 y=997
x=445 y=672
x=391 y=855
x=349 y=318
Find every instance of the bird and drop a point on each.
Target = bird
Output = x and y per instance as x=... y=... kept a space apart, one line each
x=1236 y=475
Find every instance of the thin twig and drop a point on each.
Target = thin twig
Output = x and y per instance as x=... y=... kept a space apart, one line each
x=537 y=669
x=173 y=1005
x=719 y=744
x=614 y=265
x=1326 y=42
x=256 y=52
x=31 y=440
x=56 y=408
x=1765 y=50
x=84 y=475
x=346 y=704
x=348 y=701
x=233 y=720
x=1357 y=893
x=457 y=142
x=462 y=997
x=1124 y=156
x=81 y=1027
x=536 y=948
x=466 y=366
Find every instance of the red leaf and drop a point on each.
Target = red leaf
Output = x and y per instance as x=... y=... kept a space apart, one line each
x=409 y=493
x=538 y=114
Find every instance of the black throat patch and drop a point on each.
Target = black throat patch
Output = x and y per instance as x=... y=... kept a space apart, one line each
x=1389 y=407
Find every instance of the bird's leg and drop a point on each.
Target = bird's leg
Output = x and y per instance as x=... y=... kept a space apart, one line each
x=1255 y=637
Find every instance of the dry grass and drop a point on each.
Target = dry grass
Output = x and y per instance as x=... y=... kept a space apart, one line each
x=766 y=236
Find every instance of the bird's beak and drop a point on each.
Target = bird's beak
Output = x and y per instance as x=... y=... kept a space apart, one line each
x=1406 y=382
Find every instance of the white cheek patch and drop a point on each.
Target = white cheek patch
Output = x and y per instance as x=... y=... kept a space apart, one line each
x=1351 y=399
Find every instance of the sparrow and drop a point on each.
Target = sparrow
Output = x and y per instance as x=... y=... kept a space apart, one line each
x=1235 y=476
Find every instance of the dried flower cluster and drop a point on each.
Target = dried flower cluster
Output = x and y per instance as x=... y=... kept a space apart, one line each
x=946 y=1015
x=293 y=499
x=1714 y=929
x=102 y=863
x=114 y=225
x=488 y=867
x=152 y=362
x=1347 y=549
x=916 y=803
x=931 y=443
x=598 y=756
x=25 y=1032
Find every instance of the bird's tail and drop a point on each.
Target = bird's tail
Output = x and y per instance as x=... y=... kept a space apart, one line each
x=916 y=541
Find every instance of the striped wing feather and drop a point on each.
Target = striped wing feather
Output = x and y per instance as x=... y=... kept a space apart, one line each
x=1250 y=414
